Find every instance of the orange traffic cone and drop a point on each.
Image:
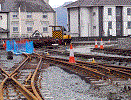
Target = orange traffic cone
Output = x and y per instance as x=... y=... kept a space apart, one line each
x=4 y=45
x=71 y=58
x=96 y=46
x=101 y=44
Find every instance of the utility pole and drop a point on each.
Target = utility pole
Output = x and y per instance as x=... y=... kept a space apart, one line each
x=88 y=31
x=19 y=23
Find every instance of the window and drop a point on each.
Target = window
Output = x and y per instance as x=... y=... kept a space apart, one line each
x=29 y=25
x=15 y=29
x=29 y=15
x=129 y=25
x=56 y=29
x=109 y=11
x=15 y=14
x=0 y=17
x=29 y=29
x=44 y=16
x=45 y=29
x=94 y=27
x=118 y=12
x=110 y=25
x=128 y=11
x=94 y=13
x=118 y=25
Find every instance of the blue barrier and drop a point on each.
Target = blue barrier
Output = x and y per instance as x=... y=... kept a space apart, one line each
x=19 y=48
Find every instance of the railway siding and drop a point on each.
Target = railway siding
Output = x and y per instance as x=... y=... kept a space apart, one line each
x=11 y=78
x=90 y=66
x=108 y=58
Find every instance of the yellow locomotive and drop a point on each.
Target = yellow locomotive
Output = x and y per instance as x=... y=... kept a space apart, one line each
x=58 y=33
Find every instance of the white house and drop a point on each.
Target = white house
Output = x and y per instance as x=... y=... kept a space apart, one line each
x=99 y=18
x=33 y=15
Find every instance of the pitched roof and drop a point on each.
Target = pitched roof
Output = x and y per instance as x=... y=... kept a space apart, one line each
x=26 y=5
x=3 y=30
x=80 y=3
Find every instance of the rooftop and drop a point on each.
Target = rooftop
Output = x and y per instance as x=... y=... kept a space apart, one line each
x=26 y=6
x=82 y=3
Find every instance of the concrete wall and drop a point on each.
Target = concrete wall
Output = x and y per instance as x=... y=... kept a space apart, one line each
x=74 y=20
x=37 y=20
x=87 y=21
x=84 y=21
x=107 y=18
x=95 y=22
x=126 y=18
x=3 y=22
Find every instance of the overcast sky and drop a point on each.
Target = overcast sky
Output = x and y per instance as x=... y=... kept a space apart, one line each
x=57 y=3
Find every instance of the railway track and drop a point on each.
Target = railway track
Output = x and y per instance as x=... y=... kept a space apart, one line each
x=21 y=83
x=112 y=50
x=93 y=69
x=107 y=69
x=98 y=57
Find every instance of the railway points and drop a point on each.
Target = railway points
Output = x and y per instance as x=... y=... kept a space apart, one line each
x=24 y=80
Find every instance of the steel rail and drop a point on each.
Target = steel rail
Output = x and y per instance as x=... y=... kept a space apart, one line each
x=33 y=81
x=3 y=71
x=122 y=68
x=2 y=86
x=23 y=62
x=114 y=51
x=8 y=76
x=29 y=95
x=114 y=66
x=95 y=65
x=93 y=71
x=22 y=89
x=93 y=56
x=107 y=65
x=122 y=71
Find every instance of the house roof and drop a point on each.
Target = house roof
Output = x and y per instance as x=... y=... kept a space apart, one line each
x=81 y=3
x=26 y=5
x=3 y=30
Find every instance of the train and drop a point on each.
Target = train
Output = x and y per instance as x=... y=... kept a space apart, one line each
x=58 y=37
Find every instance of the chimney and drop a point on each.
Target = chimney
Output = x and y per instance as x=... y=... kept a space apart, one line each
x=47 y=1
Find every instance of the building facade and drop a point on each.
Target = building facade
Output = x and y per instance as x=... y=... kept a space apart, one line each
x=87 y=18
x=3 y=25
x=23 y=17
